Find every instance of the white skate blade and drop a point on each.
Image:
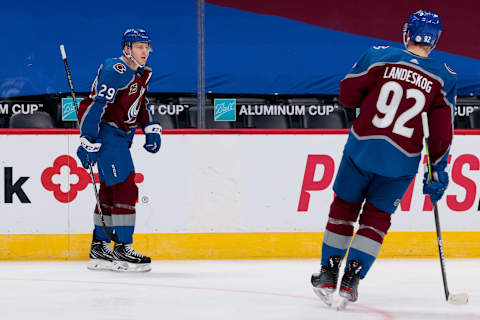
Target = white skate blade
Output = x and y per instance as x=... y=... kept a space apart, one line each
x=326 y=295
x=342 y=304
x=124 y=266
x=458 y=299
x=99 y=264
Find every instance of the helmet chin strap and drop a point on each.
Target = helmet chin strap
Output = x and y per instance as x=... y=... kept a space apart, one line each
x=129 y=56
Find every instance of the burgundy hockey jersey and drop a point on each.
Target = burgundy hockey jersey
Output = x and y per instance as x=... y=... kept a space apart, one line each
x=117 y=98
x=392 y=88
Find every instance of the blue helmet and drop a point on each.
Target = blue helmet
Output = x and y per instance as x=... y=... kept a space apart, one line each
x=423 y=27
x=132 y=35
x=135 y=35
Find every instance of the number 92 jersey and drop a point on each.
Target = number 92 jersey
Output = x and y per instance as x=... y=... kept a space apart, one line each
x=117 y=98
x=392 y=88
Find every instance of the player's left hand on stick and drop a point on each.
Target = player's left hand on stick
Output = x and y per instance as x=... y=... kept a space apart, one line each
x=153 y=140
x=435 y=188
x=87 y=152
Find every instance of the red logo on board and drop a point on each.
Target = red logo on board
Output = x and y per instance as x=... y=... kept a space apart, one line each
x=78 y=179
x=80 y=184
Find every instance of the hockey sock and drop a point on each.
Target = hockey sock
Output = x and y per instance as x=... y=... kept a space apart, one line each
x=374 y=225
x=339 y=231
x=125 y=195
x=105 y=196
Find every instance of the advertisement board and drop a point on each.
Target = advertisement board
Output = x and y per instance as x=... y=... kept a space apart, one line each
x=215 y=184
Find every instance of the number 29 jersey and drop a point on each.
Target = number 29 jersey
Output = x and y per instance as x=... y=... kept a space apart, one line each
x=118 y=98
x=392 y=88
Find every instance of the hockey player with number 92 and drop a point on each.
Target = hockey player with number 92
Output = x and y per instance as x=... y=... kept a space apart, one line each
x=391 y=87
x=117 y=105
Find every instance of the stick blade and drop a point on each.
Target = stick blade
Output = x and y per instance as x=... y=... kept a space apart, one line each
x=458 y=299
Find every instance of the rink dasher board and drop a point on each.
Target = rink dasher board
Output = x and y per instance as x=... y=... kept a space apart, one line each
x=220 y=195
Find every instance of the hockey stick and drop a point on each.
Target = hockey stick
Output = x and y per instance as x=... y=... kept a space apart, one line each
x=109 y=234
x=459 y=298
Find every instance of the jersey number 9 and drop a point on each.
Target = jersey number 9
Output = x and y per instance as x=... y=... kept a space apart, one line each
x=106 y=92
x=389 y=110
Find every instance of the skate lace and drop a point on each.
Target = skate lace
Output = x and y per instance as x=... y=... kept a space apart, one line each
x=106 y=248
x=132 y=252
x=346 y=281
x=351 y=276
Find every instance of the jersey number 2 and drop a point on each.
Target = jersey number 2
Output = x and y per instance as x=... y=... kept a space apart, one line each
x=389 y=110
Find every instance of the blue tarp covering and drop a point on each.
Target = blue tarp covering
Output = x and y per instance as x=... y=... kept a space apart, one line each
x=246 y=52
x=91 y=32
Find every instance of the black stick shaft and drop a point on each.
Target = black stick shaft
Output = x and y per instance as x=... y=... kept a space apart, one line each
x=437 y=228
x=110 y=235
x=440 y=251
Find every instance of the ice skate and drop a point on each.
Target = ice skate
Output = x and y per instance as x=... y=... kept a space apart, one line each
x=349 y=285
x=126 y=259
x=325 y=282
x=101 y=256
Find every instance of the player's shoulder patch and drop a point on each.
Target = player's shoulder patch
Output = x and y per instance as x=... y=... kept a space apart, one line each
x=116 y=73
x=449 y=69
x=115 y=65
x=120 y=67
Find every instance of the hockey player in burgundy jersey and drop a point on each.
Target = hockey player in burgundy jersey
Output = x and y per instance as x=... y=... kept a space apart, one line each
x=391 y=87
x=117 y=105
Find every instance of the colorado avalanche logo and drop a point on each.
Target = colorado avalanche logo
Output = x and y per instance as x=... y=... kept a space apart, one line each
x=134 y=109
x=133 y=113
x=120 y=67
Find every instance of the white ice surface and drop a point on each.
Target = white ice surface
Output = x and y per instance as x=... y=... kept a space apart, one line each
x=231 y=290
